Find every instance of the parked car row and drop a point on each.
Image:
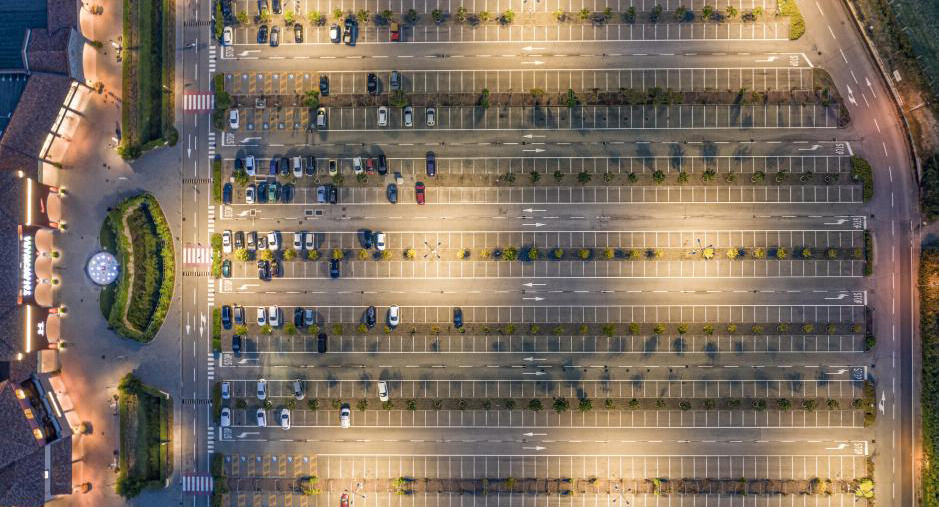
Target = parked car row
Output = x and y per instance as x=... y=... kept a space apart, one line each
x=284 y=166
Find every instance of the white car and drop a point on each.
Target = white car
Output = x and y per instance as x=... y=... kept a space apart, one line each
x=408 y=116
x=250 y=167
x=321 y=118
x=382 y=390
x=273 y=241
x=298 y=241
x=431 y=116
x=382 y=116
x=262 y=315
x=262 y=418
x=250 y=192
x=297 y=164
x=262 y=389
x=226 y=242
x=334 y=34
x=345 y=416
x=225 y=419
x=394 y=315
x=227 y=36
x=308 y=241
x=357 y=165
x=233 y=122
x=308 y=317
x=285 y=419
x=333 y=167
x=380 y=241
x=226 y=390
x=273 y=316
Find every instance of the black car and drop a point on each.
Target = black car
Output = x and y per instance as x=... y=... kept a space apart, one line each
x=382 y=165
x=239 y=240
x=286 y=193
x=321 y=343
x=264 y=270
x=349 y=35
x=262 y=34
x=236 y=345
x=366 y=239
x=275 y=36
x=431 y=164
x=310 y=166
x=393 y=193
x=262 y=192
x=370 y=317
x=262 y=6
x=333 y=194
x=283 y=166
x=277 y=7
x=333 y=268
x=226 y=317
x=298 y=33
x=276 y=269
x=372 y=84
x=226 y=193
x=226 y=9
x=298 y=317
x=226 y=268
x=324 y=85
x=457 y=318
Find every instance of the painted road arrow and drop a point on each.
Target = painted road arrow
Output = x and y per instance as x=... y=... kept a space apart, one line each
x=533 y=299
x=529 y=284
x=536 y=224
x=530 y=434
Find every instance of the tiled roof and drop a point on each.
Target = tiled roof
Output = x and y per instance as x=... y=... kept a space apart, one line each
x=61 y=472
x=11 y=206
x=22 y=458
x=39 y=105
x=47 y=51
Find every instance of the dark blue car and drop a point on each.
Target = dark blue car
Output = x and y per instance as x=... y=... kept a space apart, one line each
x=226 y=193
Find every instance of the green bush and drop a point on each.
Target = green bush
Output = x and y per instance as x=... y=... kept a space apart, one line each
x=217 y=329
x=796 y=21
x=217 y=180
x=868 y=253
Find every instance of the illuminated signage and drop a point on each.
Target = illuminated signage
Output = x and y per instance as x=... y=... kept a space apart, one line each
x=27 y=277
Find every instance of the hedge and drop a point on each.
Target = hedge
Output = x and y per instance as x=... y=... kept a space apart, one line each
x=166 y=264
x=796 y=21
x=217 y=180
x=861 y=171
x=153 y=459
x=868 y=254
x=929 y=329
x=217 y=329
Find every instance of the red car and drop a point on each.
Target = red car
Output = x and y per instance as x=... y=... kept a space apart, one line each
x=344 y=500
x=419 y=191
x=370 y=165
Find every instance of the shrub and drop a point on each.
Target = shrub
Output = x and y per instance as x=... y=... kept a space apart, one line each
x=535 y=405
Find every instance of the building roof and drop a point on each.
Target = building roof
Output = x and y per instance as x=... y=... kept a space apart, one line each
x=16 y=18
x=22 y=457
x=11 y=211
x=39 y=105
x=11 y=87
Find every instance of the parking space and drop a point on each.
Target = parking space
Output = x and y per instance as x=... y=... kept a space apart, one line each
x=600 y=419
x=543 y=31
x=670 y=117
x=699 y=387
x=493 y=499
x=431 y=81
x=548 y=240
x=664 y=194
x=428 y=265
x=561 y=344
x=612 y=314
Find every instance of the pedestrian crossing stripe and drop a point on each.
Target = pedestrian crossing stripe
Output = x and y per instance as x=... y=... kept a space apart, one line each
x=198 y=101
x=197 y=484
x=197 y=255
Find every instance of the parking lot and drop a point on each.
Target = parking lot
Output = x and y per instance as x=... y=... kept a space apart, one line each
x=755 y=365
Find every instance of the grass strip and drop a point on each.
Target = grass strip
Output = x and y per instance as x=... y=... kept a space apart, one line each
x=217 y=180
x=217 y=329
x=868 y=253
x=929 y=330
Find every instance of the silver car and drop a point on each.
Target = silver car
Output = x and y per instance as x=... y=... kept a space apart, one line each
x=408 y=116
x=431 y=116
x=345 y=416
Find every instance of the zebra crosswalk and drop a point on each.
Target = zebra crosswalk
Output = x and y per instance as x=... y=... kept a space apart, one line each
x=197 y=255
x=212 y=54
x=199 y=484
x=210 y=439
x=198 y=101
x=210 y=369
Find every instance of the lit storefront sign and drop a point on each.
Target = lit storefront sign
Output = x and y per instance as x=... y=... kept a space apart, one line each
x=27 y=289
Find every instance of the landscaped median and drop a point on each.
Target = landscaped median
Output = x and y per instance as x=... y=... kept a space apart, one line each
x=146 y=423
x=147 y=108
x=137 y=232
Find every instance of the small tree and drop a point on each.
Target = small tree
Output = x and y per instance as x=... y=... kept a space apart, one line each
x=290 y=329
x=806 y=253
x=629 y=16
x=731 y=328
x=410 y=17
x=242 y=18
x=583 y=253
x=560 y=405
x=437 y=16
x=290 y=17
x=783 y=404
x=558 y=253
x=363 y=254
x=583 y=14
x=507 y=17
x=733 y=253
x=312 y=255
x=708 y=329
x=362 y=15
x=608 y=253
x=781 y=253
x=242 y=254
x=658 y=329
x=410 y=254
x=266 y=255
x=533 y=254
x=338 y=254
x=808 y=328
x=316 y=18
x=559 y=15
x=337 y=329
x=682 y=328
x=731 y=12
x=585 y=405
x=535 y=405
x=290 y=254
x=362 y=405
x=633 y=404
x=362 y=329
x=633 y=328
